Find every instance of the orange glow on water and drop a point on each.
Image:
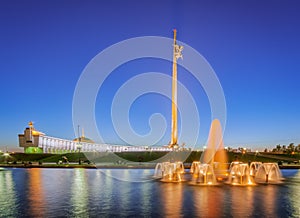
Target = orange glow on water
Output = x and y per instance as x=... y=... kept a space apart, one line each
x=36 y=194
x=172 y=198
x=207 y=203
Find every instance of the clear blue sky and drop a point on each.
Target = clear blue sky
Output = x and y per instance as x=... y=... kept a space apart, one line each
x=253 y=47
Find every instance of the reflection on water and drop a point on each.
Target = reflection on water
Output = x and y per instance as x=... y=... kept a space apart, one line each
x=37 y=205
x=294 y=195
x=97 y=193
x=208 y=201
x=241 y=200
x=7 y=195
x=145 y=196
x=123 y=195
x=79 y=194
x=172 y=199
x=269 y=200
x=107 y=192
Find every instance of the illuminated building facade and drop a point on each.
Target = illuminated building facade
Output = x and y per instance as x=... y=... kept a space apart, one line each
x=34 y=141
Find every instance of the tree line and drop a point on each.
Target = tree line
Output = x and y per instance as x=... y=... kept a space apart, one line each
x=290 y=149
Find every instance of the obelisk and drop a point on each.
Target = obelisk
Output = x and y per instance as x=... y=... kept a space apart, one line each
x=176 y=54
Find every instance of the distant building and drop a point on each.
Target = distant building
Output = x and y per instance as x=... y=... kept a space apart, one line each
x=30 y=140
x=34 y=141
x=82 y=138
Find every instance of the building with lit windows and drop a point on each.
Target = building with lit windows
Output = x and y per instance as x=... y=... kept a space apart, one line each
x=34 y=141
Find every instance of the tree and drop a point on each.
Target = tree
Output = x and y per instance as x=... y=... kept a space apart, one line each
x=284 y=148
x=278 y=147
x=291 y=146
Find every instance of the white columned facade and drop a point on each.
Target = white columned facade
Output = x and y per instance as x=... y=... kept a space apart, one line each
x=50 y=144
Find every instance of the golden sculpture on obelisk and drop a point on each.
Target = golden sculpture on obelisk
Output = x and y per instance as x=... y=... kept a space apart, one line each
x=176 y=54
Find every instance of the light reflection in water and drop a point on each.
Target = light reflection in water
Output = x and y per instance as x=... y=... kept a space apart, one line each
x=123 y=194
x=84 y=193
x=79 y=193
x=269 y=200
x=96 y=189
x=208 y=201
x=108 y=192
x=36 y=196
x=295 y=195
x=172 y=199
x=145 y=195
x=7 y=195
x=57 y=189
x=242 y=200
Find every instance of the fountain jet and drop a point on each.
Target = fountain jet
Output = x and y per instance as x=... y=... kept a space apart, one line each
x=202 y=174
x=169 y=172
x=215 y=153
x=268 y=173
x=240 y=175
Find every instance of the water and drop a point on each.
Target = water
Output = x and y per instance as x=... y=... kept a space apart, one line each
x=96 y=193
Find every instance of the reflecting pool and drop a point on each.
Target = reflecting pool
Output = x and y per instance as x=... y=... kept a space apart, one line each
x=98 y=192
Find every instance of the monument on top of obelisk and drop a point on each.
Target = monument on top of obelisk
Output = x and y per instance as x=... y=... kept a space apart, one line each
x=177 y=49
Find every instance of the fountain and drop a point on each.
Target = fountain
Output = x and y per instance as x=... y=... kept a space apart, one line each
x=159 y=169
x=194 y=167
x=268 y=173
x=213 y=167
x=232 y=164
x=180 y=166
x=172 y=172
x=169 y=172
x=240 y=175
x=215 y=154
x=214 y=160
x=254 y=167
x=203 y=174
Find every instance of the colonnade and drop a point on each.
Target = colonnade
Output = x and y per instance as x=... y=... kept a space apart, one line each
x=56 y=145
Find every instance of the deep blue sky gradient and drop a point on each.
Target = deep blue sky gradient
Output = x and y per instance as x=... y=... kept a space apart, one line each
x=253 y=47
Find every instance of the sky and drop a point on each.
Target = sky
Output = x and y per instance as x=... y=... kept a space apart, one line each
x=253 y=47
